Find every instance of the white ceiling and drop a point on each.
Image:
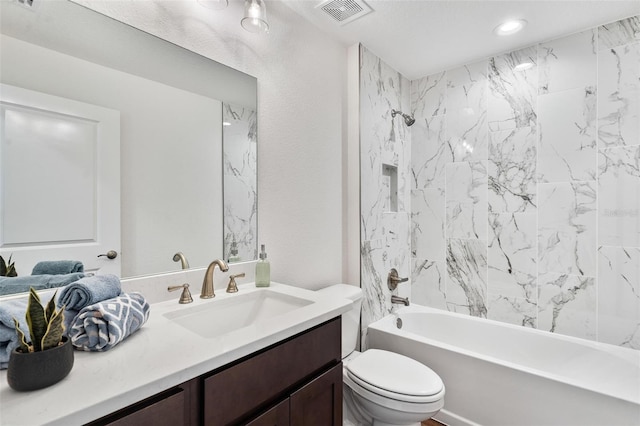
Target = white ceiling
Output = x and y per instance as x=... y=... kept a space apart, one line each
x=422 y=37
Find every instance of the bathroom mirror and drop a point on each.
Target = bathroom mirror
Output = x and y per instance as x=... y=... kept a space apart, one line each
x=187 y=182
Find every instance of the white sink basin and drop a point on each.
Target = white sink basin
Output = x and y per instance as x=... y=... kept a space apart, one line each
x=224 y=315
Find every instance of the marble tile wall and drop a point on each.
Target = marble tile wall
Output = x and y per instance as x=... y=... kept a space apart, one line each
x=239 y=142
x=384 y=229
x=525 y=186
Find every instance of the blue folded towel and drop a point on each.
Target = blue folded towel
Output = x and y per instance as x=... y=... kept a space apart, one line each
x=10 y=285
x=89 y=290
x=8 y=336
x=57 y=267
x=101 y=326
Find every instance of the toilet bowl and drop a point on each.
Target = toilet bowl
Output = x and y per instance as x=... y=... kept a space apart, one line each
x=380 y=387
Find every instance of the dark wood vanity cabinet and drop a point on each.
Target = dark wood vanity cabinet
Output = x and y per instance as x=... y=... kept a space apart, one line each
x=295 y=382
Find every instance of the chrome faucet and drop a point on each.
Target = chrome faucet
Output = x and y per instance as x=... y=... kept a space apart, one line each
x=398 y=299
x=207 y=284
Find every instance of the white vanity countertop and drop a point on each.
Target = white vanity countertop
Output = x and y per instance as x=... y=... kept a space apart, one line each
x=162 y=354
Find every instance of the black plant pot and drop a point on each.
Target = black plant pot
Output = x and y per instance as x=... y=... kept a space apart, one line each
x=37 y=370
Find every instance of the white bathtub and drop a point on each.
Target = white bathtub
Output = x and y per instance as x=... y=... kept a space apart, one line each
x=500 y=374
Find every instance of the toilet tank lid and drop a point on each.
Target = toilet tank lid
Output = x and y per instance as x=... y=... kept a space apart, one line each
x=344 y=291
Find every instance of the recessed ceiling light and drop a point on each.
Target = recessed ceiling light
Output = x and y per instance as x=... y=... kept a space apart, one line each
x=523 y=66
x=226 y=123
x=510 y=27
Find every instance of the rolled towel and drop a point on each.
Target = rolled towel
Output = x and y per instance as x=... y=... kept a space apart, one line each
x=89 y=290
x=68 y=319
x=8 y=336
x=57 y=267
x=11 y=285
x=101 y=326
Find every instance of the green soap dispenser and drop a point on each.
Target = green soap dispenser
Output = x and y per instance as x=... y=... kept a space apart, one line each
x=263 y=270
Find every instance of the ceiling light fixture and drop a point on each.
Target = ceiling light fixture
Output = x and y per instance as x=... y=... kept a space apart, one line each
x=214 y=4
x=255 y=16
x=510 y=27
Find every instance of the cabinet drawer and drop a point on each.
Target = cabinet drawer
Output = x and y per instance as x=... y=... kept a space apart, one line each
x=243 y=389
x=165 y=409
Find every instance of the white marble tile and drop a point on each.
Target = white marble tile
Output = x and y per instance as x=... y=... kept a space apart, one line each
x=377 y=259
x=513 y=310
x=429 y=153
x=466 y=290
x=568 y=62
x=567 y=148
x=385 y=236
x=512 y=255
x=376 y=301
x=384 y=141
x=466 y=200
x=619 y=96
x=240 y=181
x=619 y=196
x=512 y=93
x=567 y=305
x=567 y=228
x=619 y=296
x=512 y=170
x=466 y=118
x=428 y=96
x=427 y=225
x=428 y=283
x=618 y=33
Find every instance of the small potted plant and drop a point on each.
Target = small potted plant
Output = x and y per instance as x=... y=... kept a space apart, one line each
x=48 y=358
x=7 y=269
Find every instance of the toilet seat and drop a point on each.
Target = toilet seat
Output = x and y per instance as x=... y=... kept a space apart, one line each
x=395 y=376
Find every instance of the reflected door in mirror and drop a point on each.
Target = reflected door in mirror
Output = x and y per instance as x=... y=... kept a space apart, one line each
x=60 y=180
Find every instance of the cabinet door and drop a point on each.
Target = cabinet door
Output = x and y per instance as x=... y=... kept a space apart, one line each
x=276 y=416
x=319 y=403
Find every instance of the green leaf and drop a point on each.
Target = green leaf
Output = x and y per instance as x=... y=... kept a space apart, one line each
x=51 y=307
x=3 y=267
x=36 y=319
x=11 y=271
x=22 y=340
x=53 y=335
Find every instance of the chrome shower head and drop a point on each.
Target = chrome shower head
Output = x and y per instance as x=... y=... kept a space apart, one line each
x=408 y=120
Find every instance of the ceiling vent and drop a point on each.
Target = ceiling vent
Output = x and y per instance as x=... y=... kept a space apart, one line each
x=344 y=11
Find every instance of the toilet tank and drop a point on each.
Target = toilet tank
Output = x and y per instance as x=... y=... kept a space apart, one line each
x=351 y=318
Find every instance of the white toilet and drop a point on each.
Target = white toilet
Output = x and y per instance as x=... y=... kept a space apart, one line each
x=382 y=387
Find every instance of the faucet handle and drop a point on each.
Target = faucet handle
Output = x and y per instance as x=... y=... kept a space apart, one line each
x=232 y=287
x=393 y=279
x=185 y=297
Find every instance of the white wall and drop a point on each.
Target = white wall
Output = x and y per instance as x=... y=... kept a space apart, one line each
x=301 y=85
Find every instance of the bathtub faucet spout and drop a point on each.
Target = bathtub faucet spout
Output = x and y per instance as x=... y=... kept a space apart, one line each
x=398 y=299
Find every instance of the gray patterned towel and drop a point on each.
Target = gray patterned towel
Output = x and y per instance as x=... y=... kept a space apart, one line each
x=101 y=326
